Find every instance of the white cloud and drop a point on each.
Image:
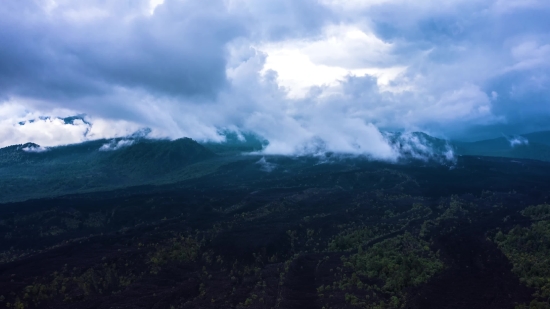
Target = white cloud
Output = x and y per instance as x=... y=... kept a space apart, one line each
x=33 y=148
x=517 y=141
x=352 y=4
x=153 y=5
x=466 y=103
x=530 y=55
x=46 y=132
x=342 y=50
x=266 y=166
x=19 y=125
x=115 y=145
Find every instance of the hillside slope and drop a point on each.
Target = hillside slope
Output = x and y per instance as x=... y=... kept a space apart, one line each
x=30 y=171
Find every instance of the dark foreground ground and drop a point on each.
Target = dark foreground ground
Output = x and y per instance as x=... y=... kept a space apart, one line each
x=343 y=234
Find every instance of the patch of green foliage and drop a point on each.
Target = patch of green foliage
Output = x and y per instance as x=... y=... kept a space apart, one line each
x=537 y=212
x=528 y=248
x=456 y=209
x=398 y=263
x=181 y=249
x=535 y=304
x=350 y=239
x=529 y=251
x=103 y=279
x=108 y=277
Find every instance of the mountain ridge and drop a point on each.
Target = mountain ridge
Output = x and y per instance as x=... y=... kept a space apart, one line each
x=88 y=166
x=535 y=146
x=29 y=170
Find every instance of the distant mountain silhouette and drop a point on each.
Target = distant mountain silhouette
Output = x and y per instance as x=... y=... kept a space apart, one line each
x=32 y=153
x=130 y=151
x=535 y=146
x=29 y=170
x=542 y=137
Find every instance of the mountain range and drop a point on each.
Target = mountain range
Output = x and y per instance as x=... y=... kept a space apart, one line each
x=29 y=170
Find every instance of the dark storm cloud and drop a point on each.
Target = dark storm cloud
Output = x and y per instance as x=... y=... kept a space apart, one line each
x=180 y=50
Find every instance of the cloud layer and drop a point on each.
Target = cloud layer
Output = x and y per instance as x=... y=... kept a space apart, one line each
x=305 y=75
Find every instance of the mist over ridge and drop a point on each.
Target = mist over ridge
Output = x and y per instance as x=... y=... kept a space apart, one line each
x=391 y=146
x=394 y=145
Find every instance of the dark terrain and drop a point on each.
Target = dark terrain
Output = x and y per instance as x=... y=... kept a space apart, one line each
x=223 y=230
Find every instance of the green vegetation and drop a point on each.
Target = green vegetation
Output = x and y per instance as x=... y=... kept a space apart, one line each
x=451 y=210
x=386 y=270
x=535 y=304
x=528 y=248
x=400 y=262
x=537 y=212
x=354 y=237
x=179 y=249
x=106 y=278
x=456 y=209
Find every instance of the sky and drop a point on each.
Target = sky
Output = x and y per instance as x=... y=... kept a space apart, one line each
x=305 y=75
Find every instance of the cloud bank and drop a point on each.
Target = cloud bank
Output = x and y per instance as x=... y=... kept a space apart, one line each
x=305 y=75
